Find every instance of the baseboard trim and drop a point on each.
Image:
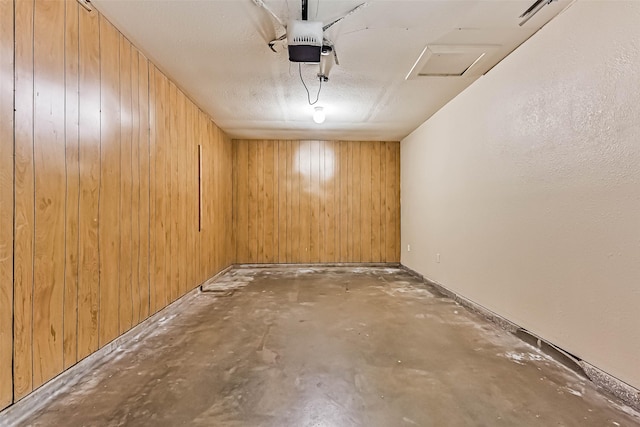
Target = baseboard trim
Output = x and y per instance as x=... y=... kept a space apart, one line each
x=320 y=265
x=606 y=382
x=19 y=412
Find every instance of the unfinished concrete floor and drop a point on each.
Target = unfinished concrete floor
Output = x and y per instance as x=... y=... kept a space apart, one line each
x=327 y=347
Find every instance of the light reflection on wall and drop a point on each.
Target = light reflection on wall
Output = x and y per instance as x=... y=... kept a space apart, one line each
x=89 y=102
x=306 y=161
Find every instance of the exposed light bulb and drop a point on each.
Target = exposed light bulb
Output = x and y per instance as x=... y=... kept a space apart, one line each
x=318 y=115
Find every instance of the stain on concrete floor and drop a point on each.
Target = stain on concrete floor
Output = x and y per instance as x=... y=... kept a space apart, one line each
x=330 y=346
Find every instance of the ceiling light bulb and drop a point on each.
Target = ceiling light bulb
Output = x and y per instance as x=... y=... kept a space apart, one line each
x=318 y=115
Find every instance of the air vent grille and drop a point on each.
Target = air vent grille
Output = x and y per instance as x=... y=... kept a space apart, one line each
x=306 y=40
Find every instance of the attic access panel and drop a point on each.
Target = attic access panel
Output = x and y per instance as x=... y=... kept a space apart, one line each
x=452 y=61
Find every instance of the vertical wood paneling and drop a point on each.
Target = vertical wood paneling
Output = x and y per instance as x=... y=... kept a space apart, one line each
x=199 y=199
x=6 y=201
x=330 y=226
x=50 y=190
x=315 y=198
x=24 y=200
x=181 y=151
x=383 y=201
x=135 y=189
x=211 y=161
x=199 y=208
x=269 y=160
x=352 y=225
x=286 y=211
x=195 y=187
x=396 y=199
x=325 y=203
x=336 y=220
x=260 y=211
x=235 y=203
x=167 y=193
x=190 y=191
x=207 y=215
x=70 y=320
x=192 y=172
x=144 y=161
x=252 y=227
x=160 y=148
x=295 y=206
x=125 y=232
x=98 y=190
x=153 y=190
x=109 y=233
x=390 y=194
x=227 y=156
x=316 y=201
x=172 y=173
x=90 y=172
x=304 y=174
x=282 y=174
x=355 y=198
x=343 y=171
x=376 y=243
x=241 y=189
x=212 y=176
x=203 y=235
x=210 y=171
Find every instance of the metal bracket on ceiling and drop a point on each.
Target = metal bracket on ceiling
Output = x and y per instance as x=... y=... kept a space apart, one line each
x=533 y=9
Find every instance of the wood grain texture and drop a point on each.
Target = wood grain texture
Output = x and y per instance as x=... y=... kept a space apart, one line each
x=173 y=191
x=241 y=194
x=104 y=173
x=342 y=170
x=316 y=201
x=282 y=170
x=174 y=278
x=24 y=221
x=71 y=82
x=89 y=178
x=153 y=189
x=50 y=190
x=159 y=219
x=270 y=228
x=144 y=214
x=206 y=209
x=109 y=183
x=181 y=214
x=6 y=202
x=125 y=233
x=294 y=205
x=135 y=189
x=303 y=171
x=167 y=194
x=376 y=232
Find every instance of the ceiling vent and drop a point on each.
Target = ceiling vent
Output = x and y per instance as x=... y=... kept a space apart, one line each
x=453 y=61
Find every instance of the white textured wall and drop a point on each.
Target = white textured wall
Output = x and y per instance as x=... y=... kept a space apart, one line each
x=528 y=185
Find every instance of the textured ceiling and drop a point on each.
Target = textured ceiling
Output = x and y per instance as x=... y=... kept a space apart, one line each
x=217 y=52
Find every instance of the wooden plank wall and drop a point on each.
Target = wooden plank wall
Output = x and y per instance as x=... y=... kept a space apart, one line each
x=105 y=177
x=316 y=201
x=6 y=201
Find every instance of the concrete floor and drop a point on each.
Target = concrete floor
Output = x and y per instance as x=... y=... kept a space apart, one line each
x=328 y=347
